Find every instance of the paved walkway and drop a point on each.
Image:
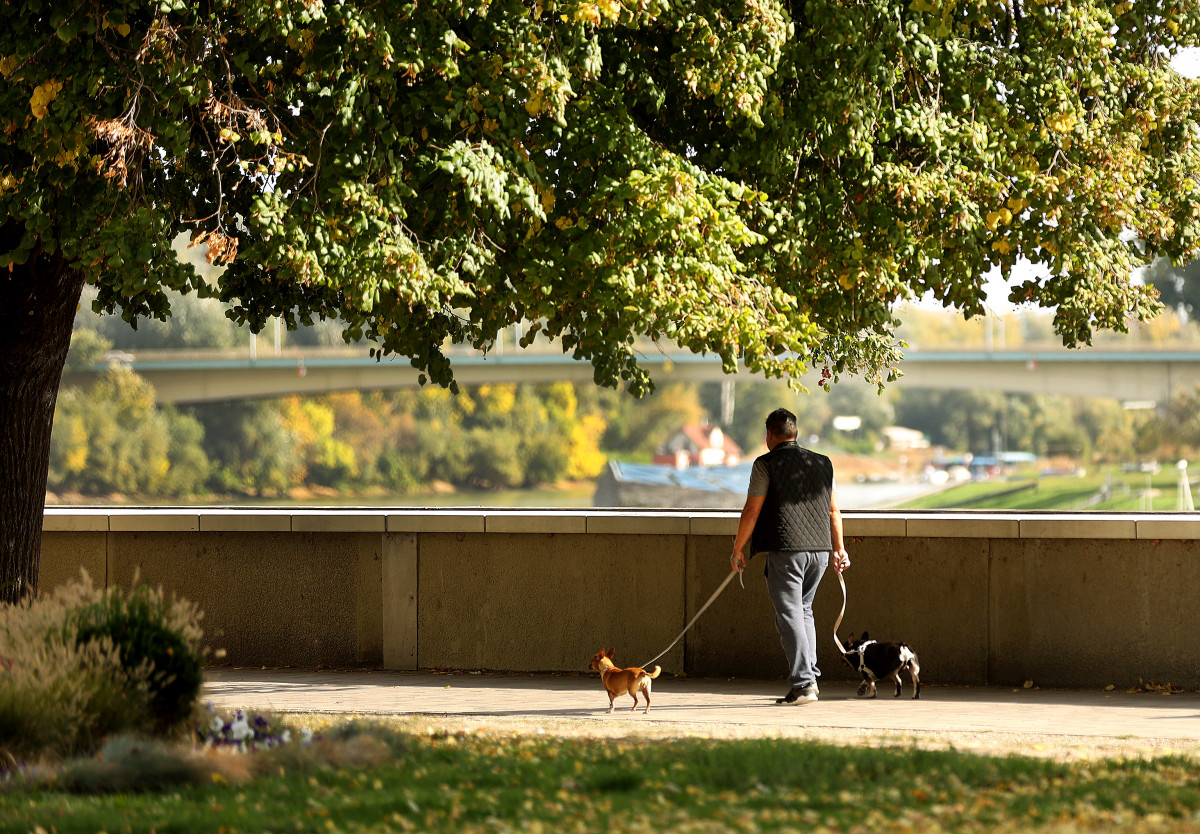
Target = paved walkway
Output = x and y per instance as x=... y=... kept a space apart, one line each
x=1059 y=723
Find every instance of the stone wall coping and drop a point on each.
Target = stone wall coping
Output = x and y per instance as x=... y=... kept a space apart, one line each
x=898 y=524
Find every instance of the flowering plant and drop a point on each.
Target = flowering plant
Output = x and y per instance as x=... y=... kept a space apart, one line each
x=244 y=731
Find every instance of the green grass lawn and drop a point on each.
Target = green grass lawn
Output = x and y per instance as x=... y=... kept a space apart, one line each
x=482 y=782
x=1059 y=492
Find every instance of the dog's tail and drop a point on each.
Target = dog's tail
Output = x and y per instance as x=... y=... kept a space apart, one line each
x=655 y=673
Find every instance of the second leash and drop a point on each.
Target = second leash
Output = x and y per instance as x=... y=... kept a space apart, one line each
x=842 y=613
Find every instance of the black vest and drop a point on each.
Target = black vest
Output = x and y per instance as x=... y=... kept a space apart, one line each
x=795 y=513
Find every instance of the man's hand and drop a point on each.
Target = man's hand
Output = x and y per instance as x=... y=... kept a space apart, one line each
x=841 y=560
x=754 y=504
x=738 y=561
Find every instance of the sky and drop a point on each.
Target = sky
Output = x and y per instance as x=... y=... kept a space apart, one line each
x=1187 y=63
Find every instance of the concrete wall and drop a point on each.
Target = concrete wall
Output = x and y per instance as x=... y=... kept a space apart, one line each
x=1063 y=600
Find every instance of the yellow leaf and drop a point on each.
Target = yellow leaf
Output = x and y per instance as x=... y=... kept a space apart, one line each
x=66 y=157
x=1062 y=122
x=609 y=8
x=43 y=94
x=123 y=29
x=7 y=64
x=588 y=13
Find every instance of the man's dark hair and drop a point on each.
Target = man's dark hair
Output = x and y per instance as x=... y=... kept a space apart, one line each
x=782 y=423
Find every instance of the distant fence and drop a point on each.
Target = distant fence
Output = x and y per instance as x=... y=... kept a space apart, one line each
x=1060 y=599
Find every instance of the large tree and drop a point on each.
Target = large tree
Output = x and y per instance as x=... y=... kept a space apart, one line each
x=760 y=179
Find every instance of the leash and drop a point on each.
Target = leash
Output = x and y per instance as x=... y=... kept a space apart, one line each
x=837 y=624
x=842 y=613
x=692 y=622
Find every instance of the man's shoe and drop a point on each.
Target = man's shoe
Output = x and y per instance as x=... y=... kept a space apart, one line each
x=800 y=695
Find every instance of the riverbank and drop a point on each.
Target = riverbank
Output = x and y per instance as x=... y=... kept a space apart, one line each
x=565 y=495
x=863 y=483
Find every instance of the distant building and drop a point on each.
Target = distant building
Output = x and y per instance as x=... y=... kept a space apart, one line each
x=904 y=439
x=663 y=487
x=699 y=445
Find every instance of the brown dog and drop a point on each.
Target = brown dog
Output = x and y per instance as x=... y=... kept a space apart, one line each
x=629 y=681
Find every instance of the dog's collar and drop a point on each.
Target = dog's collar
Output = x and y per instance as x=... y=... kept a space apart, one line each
x=859 y=648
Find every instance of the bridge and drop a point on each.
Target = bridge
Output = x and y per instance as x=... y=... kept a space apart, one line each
x=1130 y=376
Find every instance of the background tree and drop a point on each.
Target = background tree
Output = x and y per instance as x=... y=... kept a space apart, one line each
x=251 y=447
x=1178 y=287
x=112 y=438
x=759 y=180
x=968 y=421
x=195 y=323
x=873 y=408
x=1178 y=424
x=636 y=428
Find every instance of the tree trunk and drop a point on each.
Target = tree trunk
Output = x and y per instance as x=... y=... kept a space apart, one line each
x=38 y=300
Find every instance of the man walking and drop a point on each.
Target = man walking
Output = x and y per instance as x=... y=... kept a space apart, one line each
x=791 y=517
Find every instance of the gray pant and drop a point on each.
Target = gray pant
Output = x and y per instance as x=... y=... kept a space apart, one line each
x=792 y=581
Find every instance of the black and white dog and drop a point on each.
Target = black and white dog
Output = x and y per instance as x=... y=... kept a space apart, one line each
x=877 y=661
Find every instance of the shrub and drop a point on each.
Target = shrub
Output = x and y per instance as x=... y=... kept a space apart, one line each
x=57 y=696
x=62 y=695
x=157 y=643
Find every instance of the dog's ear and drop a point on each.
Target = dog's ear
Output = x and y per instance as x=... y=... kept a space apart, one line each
x=865 y=636
x=609 y=653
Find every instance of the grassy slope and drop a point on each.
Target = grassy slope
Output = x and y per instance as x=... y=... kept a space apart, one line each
x=1058 y=492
